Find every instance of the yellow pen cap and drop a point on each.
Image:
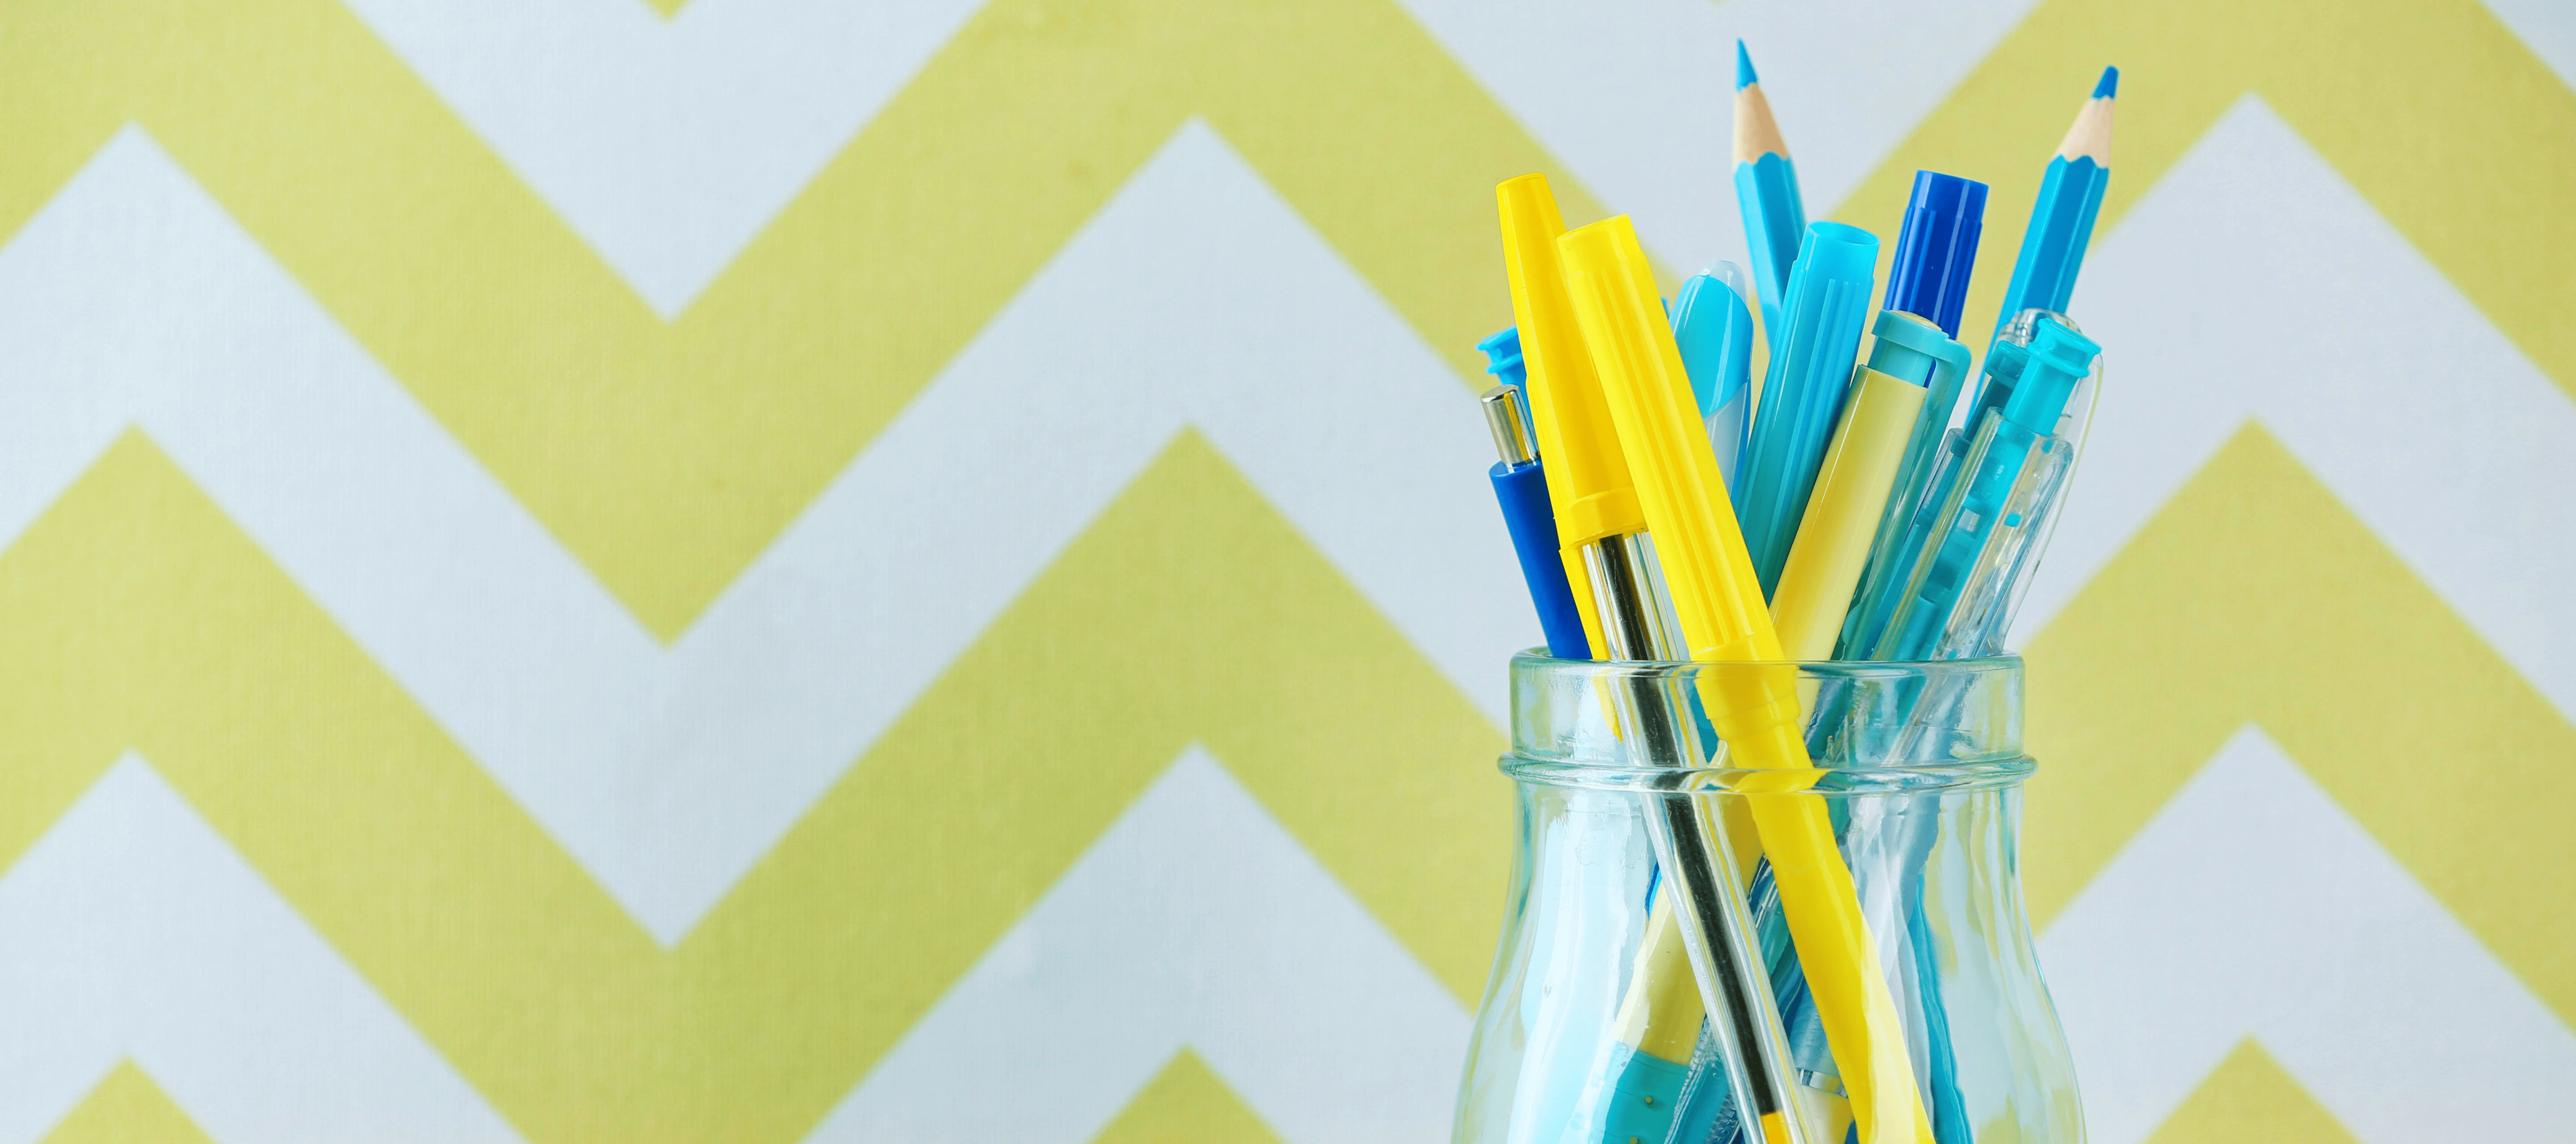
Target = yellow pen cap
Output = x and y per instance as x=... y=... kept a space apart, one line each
x=1842 y=514
x=1587 y=476
x=1706 y=565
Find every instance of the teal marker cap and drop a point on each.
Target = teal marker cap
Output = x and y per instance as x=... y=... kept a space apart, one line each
x=2059 y=359
x=1713 y=326
x=1936 y=248
x=1909 y=350
x=1503 y=357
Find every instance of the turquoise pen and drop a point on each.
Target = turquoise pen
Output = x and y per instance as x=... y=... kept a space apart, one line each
x=1998 y=494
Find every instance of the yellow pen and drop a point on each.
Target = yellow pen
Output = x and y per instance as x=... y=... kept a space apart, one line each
x=1757 y=713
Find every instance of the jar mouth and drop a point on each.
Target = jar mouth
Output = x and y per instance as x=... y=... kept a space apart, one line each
x=1537 y=661
x=1921 y=778
x=1868 y=726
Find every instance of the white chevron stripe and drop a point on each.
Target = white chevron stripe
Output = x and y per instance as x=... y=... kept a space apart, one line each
x=130 y=929
x=1196 y=298
x=1637 y=98
x=667 y=145
x=2254 y=906
x=1197 y=921
x=2252 y=281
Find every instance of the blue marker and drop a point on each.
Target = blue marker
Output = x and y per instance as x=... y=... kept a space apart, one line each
x=1713 y=324
x=1812 y=349
x=1521 y=487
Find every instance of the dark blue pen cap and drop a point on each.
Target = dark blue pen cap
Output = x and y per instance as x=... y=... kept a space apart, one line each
x=1503 y=356
x=1936 y=248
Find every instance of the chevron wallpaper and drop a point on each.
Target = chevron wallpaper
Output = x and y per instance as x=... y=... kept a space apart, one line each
x=781 y=570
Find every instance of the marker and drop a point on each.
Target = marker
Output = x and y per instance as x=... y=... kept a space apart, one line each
x=1852 y=486
x=1766 y=192
x=1756 y=712
x=1713 y=324
x=1520 y=486
x=2061 y=222
x=1811 y=364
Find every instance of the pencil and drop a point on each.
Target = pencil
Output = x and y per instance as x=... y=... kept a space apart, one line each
x=2061 y=222
x=1766 y=192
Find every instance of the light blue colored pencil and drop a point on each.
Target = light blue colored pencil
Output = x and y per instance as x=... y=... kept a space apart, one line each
x=1766 y=192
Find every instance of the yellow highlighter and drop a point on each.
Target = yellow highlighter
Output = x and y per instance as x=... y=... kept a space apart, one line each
x=1755 y=712
x=1842 y=515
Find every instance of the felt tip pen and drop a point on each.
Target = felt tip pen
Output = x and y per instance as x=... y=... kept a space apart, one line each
x=1520 y=487
x=1812 y=349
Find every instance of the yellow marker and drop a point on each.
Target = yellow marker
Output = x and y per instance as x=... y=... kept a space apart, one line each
x=1842 y=514
x=1756 y=712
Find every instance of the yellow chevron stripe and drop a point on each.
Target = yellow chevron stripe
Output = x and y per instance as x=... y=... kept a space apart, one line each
x=1187 y=1102
x=2434 y=111
x=2248 y=1099
x=666 y=457
x=2302 y=621
x=134 y=615
x=127 y=1108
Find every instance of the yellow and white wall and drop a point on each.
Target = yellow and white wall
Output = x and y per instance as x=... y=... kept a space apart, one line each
x=777 y=570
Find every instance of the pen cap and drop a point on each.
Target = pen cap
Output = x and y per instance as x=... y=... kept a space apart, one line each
x=1503 y=356
x=1936 y=248
x=1587 y=477
x=2059 y=359
x=1713 y=325
x=1906 y=347
x=1705 y=564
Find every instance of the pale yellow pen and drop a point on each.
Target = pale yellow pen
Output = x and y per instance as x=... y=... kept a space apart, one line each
x=1756 y=712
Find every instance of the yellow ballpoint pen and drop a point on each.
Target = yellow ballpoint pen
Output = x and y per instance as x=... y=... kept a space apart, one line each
x=1756 y=712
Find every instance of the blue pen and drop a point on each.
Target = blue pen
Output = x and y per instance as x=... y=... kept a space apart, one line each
x=1812 y=350
x=1520 y=486
x=1713 y=325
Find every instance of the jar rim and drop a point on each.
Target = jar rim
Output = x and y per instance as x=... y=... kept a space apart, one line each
x=1871 y=726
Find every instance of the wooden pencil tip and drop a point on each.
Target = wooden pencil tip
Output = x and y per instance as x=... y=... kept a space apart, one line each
x=2106 y=89
x=1744 y=76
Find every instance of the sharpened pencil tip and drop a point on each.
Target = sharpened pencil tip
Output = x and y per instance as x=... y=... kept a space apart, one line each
x=1744 y=76
x=2108 y=88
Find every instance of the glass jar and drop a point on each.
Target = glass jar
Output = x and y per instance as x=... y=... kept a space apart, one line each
x=1593 y=1028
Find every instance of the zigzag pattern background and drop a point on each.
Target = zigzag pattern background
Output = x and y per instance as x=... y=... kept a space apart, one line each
x=754 y=569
